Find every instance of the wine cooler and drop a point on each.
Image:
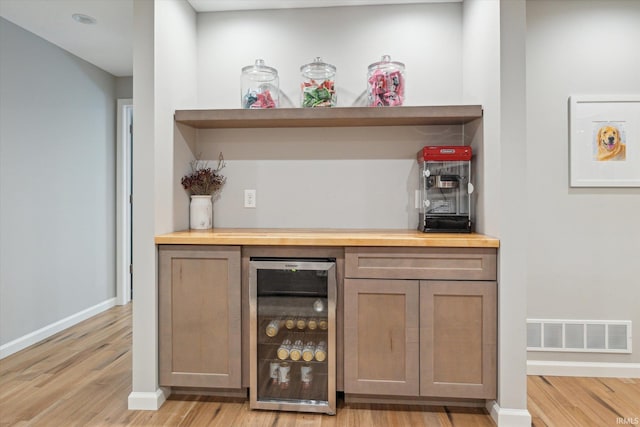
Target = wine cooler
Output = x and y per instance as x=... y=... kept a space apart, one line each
x=292 y=305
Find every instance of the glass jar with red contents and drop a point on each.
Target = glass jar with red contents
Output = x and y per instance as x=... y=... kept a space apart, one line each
x=259 y=86
x=318 y=84
x=385 y=83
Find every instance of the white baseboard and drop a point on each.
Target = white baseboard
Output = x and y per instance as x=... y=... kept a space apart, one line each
x=505 y=417
x=583 y=369
x=146 y=401
x=43 y=333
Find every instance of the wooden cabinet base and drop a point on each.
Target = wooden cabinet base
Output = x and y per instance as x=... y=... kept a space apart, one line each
x=413 y=400
x=241 y=394
x=199 y=316
x=413 y=327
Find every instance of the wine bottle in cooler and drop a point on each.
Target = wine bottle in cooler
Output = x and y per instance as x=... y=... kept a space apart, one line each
x=312 y=324
x=290 y=322
x=284 y=373
x=274 y=372
x=323 y=324
x=308 y=352
x=296 y=350
x=306 y=375
x=273 y=327
x=321 y=351
x=301 y=323
x=284 y=350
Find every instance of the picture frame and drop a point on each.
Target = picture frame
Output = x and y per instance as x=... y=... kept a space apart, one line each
x=604 y=140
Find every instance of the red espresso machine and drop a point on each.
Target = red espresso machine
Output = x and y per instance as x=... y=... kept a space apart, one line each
x=445 y=189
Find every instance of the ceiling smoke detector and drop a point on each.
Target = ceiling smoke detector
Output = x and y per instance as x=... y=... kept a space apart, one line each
x=84 y=19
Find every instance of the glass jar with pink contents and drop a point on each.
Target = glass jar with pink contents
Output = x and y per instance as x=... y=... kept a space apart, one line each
x=385 y=83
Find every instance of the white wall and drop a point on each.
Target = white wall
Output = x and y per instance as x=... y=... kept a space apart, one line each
x=583 y=243
x=493 y=65
x=57 y=184
x=164 y=70
x=512 y=265
x=345 y=178
x=481 y=85
x=426 y=38
x=124 y=87
x=145 y=394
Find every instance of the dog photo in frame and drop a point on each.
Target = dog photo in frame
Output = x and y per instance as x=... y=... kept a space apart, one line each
x=604 y=141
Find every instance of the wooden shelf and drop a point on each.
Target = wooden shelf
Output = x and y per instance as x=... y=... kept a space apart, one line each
x=329 y=117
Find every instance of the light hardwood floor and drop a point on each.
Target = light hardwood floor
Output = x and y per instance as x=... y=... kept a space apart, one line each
x=82 y=377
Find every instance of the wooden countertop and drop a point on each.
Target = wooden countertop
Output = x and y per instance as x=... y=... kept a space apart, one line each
x=325 y=237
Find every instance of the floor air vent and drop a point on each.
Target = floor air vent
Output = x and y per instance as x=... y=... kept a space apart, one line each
x=596 y=336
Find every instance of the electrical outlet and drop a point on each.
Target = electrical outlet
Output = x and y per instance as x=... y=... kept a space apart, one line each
x=249 y=198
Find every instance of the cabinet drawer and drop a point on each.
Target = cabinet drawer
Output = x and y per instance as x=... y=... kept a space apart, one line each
x=421 y=263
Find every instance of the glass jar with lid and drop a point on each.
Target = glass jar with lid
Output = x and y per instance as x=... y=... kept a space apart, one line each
x=385 y=83
x=318 y=84
x=259 y=86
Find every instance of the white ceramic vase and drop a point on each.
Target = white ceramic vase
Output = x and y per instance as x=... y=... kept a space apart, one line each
x=201 y=212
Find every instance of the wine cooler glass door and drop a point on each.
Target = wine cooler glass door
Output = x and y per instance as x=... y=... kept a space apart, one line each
x=292 y=305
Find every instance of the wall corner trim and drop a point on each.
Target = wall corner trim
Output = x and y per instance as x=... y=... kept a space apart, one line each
x=583 y=369
x=505 y=417
x=146 y=400
x=43 y=333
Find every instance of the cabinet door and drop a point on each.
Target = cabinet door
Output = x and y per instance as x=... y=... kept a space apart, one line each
x=381 y=337
x=199 y=316
x=458 y=323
